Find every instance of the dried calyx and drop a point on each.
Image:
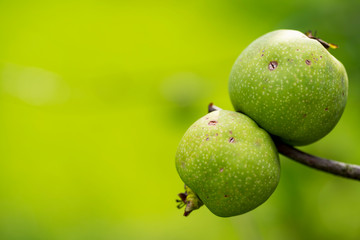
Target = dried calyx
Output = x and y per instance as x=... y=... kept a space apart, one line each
x=325 y=44
x=190 y=200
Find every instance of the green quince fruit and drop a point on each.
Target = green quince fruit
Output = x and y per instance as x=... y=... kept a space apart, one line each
x=227 y=163
x=290 y=85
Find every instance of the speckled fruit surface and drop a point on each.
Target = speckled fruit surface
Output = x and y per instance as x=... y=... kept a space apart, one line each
x=229 y=162
x=290 y=85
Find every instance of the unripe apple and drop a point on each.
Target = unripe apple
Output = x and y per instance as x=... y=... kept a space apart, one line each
x=290 y=85
x=229 y=163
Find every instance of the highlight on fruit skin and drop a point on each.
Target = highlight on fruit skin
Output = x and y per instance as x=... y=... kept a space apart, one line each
x=291 y=85
x=227 y=163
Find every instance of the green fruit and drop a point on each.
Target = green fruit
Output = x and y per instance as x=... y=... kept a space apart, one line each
x=230 y=163
x=290 y=85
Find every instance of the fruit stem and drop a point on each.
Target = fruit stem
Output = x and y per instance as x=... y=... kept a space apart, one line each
x=190 y=200
x=341 y=169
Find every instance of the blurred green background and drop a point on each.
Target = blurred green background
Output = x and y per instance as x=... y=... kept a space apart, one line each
x=96 y=95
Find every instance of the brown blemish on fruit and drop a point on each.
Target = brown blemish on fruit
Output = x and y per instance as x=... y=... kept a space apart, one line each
x=273 y=65
x=297 y=49
x=221 y=169
x=308 y=62
x=320 y=56
x=231 y=140
x=207 y=139
x=226 y=195
x=304 y=115
x=343 y=93
x=326 y=109
x=262 y=55
x=212 y=123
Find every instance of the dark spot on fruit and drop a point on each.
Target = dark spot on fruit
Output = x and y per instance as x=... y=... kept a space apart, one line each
x=343 y=93
x=326 y=109
x=231 y=140
x=207 y=196
x=207 y=139
x=308 y=62
x=304 y=115
x=226 y=195
x=212 y=123
x=297 y=49
x=320 y=56
x=273 y=65
x=262 y=55
x=221 y=169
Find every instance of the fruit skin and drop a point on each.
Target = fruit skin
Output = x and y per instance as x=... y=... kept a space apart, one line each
x=229 y=162
x=300 y=97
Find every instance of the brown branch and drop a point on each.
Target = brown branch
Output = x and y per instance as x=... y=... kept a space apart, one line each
x=330 y=166
x=323 y=164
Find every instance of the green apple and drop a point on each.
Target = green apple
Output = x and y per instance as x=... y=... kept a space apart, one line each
x=227 y=163
x=290 y=85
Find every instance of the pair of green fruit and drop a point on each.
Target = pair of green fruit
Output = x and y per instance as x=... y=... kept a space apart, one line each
x=288 y=84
